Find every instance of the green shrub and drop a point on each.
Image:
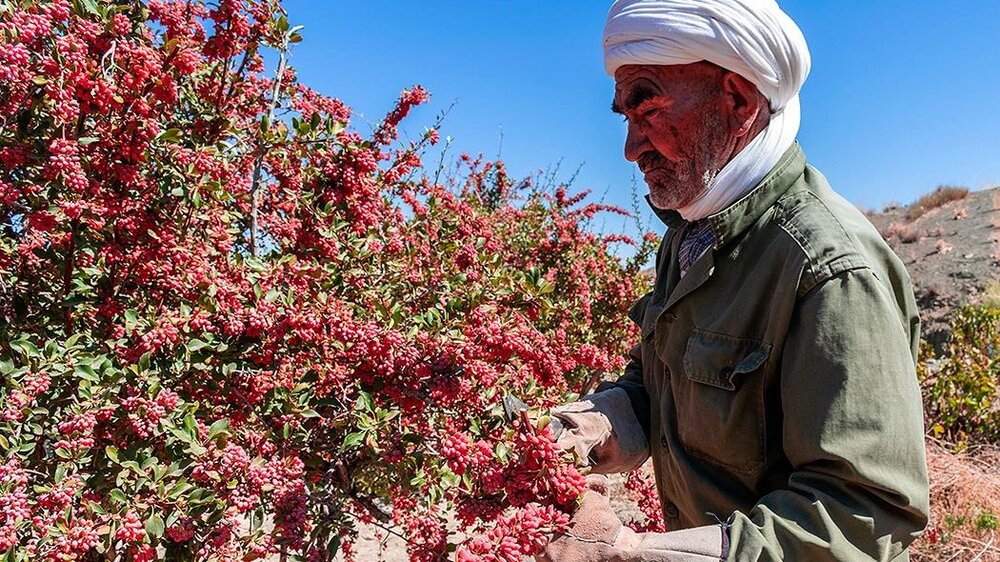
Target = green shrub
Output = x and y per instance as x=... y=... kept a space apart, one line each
x=960 y=396
x=987 y=521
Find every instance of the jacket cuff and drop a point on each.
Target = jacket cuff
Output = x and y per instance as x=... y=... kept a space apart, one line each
x=700 y=544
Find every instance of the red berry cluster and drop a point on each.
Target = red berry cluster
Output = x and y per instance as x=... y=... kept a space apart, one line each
x=521 y=533
x=641 y=488
x=130 y=529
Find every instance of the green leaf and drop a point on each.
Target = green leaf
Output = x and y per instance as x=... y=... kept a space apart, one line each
x=112 y=453
x=352 y=439
x=131 y=319
x=86 y=372
x=196 y=344
x=365 y=401
x=450 y=479
x=503 y=452
x=419 y=479
x=155 y=526
x=191 y=426
x=217 y=428
x=181 y=434
x=170 y=135
x=25 y=347
x=96 y=508
x=180 y=488
x=89 y=6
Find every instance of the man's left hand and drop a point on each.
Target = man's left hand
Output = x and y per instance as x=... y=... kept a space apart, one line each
x=597 y=535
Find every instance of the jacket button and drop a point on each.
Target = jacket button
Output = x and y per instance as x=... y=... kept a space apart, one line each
x=671 y=511
x=663 y=442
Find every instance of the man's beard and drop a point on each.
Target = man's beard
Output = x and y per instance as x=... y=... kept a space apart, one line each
x=668 y=190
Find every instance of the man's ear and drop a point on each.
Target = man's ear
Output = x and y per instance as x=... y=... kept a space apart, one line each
x=743 y=101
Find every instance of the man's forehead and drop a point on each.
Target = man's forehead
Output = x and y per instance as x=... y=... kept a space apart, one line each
x=659 y=72
x=632 y=74
x=635 y=84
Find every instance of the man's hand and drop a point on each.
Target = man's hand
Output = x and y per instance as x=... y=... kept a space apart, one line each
x=603 y=431
x=597 y=535
x=595 y=532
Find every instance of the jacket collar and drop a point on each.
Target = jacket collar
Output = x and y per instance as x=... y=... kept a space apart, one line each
x=732 y=221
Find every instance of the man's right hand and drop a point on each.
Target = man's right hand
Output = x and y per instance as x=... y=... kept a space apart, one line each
x=603 y=431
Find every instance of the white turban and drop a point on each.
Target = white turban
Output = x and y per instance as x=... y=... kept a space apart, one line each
x=752 y=38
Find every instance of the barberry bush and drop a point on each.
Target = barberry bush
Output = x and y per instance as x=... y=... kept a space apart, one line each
x=232 y=327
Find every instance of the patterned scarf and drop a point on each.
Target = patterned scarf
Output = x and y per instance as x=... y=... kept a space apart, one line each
x=697 y=240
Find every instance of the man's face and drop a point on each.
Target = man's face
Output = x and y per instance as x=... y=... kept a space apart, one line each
x=676 y=127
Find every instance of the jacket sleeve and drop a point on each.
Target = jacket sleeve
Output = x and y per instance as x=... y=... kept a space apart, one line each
x=852 y=430
x=631 y=379
x=631 y=383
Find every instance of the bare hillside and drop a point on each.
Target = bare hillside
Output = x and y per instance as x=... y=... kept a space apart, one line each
x=951 y=249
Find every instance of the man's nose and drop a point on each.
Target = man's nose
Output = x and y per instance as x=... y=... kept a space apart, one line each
x=635 y=143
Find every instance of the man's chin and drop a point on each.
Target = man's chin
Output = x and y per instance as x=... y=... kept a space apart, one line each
x=668 y=201
x=663 y=205
x=662 y=199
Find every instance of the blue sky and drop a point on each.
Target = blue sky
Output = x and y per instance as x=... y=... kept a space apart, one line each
x=903 y=95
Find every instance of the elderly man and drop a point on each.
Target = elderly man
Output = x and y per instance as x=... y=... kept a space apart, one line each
x=774 y=386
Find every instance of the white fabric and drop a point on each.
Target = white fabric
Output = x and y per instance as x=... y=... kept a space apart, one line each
x=753 y=38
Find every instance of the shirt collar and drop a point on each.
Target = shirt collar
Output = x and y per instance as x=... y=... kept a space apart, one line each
x=732 y=221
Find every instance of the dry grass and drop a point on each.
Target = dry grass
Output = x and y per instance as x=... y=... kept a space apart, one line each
x=935 y=199
x=965 y=505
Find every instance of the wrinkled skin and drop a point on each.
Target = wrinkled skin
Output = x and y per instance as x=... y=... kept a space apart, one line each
x=685 y=123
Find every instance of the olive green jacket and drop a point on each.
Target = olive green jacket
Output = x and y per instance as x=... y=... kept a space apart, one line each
x=775 y=381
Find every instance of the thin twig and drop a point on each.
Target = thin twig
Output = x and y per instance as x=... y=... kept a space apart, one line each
x=258 y=165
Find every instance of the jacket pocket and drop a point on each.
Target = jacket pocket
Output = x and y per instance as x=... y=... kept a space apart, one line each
x=720 y=401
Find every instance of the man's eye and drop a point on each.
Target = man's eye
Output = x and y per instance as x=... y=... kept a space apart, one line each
x=649 y=113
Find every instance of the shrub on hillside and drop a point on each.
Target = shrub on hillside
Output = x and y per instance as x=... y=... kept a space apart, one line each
x=231 y=326
x=933 y=200
x=961 y=391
